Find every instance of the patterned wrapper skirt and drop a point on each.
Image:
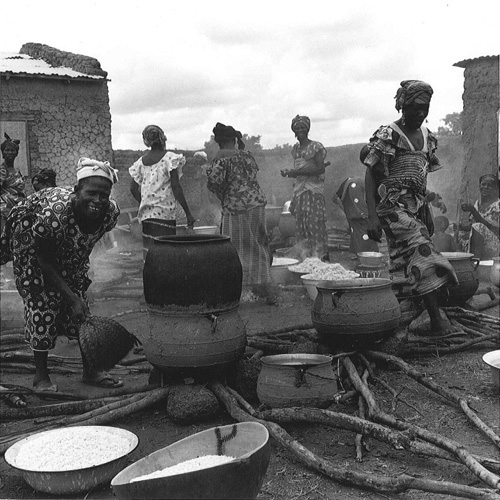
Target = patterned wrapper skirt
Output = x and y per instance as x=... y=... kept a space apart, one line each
x=248 y=234
x=412 y=251
x=310 y=222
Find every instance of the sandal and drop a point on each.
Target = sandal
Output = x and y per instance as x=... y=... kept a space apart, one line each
x=104 y=380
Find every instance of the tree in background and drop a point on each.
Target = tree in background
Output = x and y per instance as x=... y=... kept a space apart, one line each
x=452 y=125
x=252 y=144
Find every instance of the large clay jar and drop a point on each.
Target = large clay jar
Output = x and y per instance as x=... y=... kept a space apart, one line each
x=192 y=287
x=495 y=272
x=466 y=269
x=287 y=380
x=355 y=313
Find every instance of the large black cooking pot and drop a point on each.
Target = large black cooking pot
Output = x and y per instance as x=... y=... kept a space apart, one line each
x=198 y=273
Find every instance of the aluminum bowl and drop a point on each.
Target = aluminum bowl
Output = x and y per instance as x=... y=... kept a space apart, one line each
x=492 y=359
x=370 y=258
x=247 y=442
x=280 y=272
x=206 y=229
x=70 y=482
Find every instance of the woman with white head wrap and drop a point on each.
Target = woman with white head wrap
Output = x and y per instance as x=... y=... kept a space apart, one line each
x=49 y=236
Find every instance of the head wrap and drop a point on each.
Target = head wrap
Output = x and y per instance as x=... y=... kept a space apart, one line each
x=413 y=91
x=202 y=154
x=224 y=133
x=93 y=168
x=153 y=134
x=8 y=140
x=46 y=175
x=489 y=176
x=304 y=120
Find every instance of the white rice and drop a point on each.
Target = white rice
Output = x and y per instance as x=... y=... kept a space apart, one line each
x=71 y=449
x=187 y=466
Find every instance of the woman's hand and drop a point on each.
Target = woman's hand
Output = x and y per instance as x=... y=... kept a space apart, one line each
x=374 y=228
x=467 y=207
x=190 y=220
x=284 y=173
x=79 y=309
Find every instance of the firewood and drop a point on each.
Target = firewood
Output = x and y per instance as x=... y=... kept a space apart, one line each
x=457 y=449
x=445 y=393
x=414 y=351
x=487 y=305
x=370 y=481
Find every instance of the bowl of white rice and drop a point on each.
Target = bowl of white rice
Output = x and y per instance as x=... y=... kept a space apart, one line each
x=223 y=462
x=73 y=459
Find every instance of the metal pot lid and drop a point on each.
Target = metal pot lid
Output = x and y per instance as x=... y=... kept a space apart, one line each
x=297 y=360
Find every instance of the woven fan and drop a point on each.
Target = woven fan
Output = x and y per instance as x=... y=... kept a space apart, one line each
x=104 y=342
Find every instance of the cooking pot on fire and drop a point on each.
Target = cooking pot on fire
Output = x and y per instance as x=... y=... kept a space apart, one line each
x=355 y=312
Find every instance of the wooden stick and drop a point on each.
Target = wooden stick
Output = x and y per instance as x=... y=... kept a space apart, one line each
x=472 y=314
x=348 y=476
x=58 y=409
x=488 y=305
x=445 y=393
x=448 y=350
x=476 y=325
x=457 y=449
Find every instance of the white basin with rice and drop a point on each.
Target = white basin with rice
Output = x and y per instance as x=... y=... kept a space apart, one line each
x=492 y=359
x=71 y=460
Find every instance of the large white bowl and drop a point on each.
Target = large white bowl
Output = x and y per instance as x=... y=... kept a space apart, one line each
x=280 y=272
x=70 y=482
x=492 y=359
x=310 y=285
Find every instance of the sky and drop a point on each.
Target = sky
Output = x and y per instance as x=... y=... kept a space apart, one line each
x=187 y=64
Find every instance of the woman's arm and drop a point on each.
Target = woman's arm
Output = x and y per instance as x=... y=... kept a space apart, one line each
x=135 y=189
x=45 y=252
x=179 y=196
x=494 y=228
x=318 y=168
x=374 y=230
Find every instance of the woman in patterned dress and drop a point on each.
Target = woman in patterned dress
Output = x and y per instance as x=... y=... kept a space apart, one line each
x=398 y=158
x=308 y=202
x=155 y=185
x=11 y=180
x=49 y=237
x=232 y=177
x=484 y=239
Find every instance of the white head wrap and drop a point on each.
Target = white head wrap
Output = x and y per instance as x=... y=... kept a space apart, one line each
x=94 y=168
x=202 y=154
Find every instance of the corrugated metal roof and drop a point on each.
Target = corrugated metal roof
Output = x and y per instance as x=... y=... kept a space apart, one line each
x=23 y=65
x=467 y=62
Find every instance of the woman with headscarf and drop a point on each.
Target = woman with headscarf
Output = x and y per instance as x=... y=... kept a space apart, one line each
x=44 y=179
x=308 y=202
x=156 y=186
x=484 y=239
x=398 y=158
x=11 y=180
x=49 y=237
x=232 y=177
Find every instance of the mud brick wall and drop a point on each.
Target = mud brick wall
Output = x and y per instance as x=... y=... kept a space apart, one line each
x=66 y=118
x=481 y=99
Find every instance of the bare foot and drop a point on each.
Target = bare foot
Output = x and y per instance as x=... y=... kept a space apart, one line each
x=441 y=326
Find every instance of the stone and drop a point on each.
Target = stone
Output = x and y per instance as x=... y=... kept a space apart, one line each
x=187 y=404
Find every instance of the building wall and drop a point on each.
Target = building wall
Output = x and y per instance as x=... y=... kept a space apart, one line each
x=66 y=119
x=481 y=99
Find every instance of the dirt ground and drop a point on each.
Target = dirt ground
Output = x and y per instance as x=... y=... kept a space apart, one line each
x=117 y=294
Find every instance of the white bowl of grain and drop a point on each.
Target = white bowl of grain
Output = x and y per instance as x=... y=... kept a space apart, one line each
x=73 y=459
x=223 y=462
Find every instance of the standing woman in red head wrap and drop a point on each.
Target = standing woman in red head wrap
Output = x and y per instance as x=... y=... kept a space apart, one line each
x=308 y=202
x=398 y=158
x=11 y=180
